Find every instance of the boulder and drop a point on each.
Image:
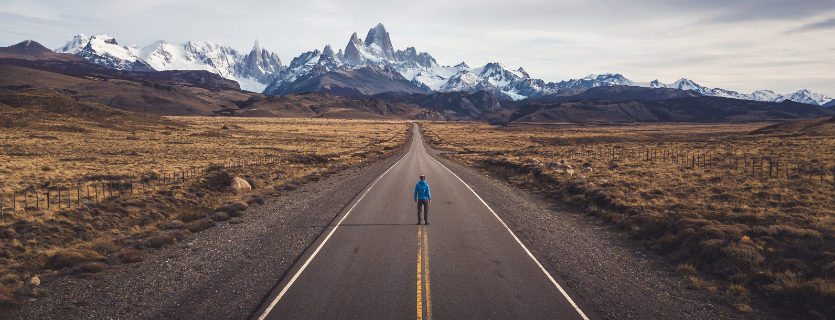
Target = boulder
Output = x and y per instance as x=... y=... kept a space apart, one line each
x=239 y=184
x=553 y=165
x=587 y=169
x=33 y=281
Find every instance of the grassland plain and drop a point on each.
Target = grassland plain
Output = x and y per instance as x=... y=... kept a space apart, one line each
x=54 y=149
x=765 y=241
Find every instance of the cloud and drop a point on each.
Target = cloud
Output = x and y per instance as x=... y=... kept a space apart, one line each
x=734 y=11
x=822 y=25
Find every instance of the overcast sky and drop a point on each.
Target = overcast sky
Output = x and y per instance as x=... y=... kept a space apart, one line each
x=741 y=45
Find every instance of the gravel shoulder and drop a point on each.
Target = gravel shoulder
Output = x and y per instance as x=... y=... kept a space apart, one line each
x=221 y=273
x=597 y=263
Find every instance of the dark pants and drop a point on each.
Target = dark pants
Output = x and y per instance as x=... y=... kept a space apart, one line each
x=425 y=204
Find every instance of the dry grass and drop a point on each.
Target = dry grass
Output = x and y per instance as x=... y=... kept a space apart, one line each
x=744 y=229
x=55 y=151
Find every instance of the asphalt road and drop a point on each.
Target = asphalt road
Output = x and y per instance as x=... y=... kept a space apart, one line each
x=373 y=262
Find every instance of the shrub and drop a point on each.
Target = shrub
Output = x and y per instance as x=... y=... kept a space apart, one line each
x=200 y=225
x=686 y=270
x=71 y=258
x=105 y=247
x=89 y=267
x=159 y=240
x=737 y=290
x=193 y=213
x=179 y=234
x=220 y=216
x=128 y=255
x=219 y=181
x=256 y=199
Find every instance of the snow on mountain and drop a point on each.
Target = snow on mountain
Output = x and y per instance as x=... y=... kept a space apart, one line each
x=253 y=71
x=105 y=51
x=802 y=96
x=75 y=45
x=805 y=96
x=766 y=95
x=262 y=71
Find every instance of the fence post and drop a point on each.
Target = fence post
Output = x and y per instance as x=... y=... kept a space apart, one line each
x=47 y=199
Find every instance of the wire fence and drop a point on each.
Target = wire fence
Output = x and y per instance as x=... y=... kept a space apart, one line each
x=755 y=165
x=104 y=187
x=80 y=192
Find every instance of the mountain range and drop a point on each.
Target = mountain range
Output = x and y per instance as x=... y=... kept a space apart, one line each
x=329 y=71
x=250 y=70
x=381 y=93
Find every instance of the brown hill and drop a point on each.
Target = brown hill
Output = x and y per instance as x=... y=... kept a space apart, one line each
x=146 y=97
x=52 y=111
x=30 y=54
x=693 y=109
x=32 y=50
x=617 y=93
x=814 y=127
x=453 y=105
x=322 y=105
x=352 y=83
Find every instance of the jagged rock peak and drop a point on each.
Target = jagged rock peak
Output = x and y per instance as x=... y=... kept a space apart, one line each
x=328 y=51
x=462 y=65
x=523 y=72
x=380 y=37
x=656 y=84
x=355 y=39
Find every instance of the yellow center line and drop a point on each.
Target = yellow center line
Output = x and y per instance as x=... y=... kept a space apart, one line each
x=419 y=274
x=423 y=273
x=426 y=271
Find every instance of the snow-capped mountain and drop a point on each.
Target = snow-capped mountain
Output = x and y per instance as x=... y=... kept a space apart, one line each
x=252 y=71
x=262 y=71
x=802 y=96
x=505 y=83
x=105 y=51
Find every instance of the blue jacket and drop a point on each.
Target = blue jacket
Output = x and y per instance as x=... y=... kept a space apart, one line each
x=422 y=190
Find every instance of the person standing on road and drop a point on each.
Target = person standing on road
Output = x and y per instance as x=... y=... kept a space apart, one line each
x=423 y=198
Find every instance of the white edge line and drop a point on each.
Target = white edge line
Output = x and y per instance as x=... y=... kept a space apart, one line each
x=520 y=243
x=304 y=266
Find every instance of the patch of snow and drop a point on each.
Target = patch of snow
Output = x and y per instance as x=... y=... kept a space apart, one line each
x=250 y=84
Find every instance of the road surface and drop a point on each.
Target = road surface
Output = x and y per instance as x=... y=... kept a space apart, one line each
x=374 y=262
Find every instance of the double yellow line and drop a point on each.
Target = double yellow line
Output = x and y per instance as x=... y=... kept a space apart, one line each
x=423 y=274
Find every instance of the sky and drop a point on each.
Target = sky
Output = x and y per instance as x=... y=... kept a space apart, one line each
x=740 y=45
